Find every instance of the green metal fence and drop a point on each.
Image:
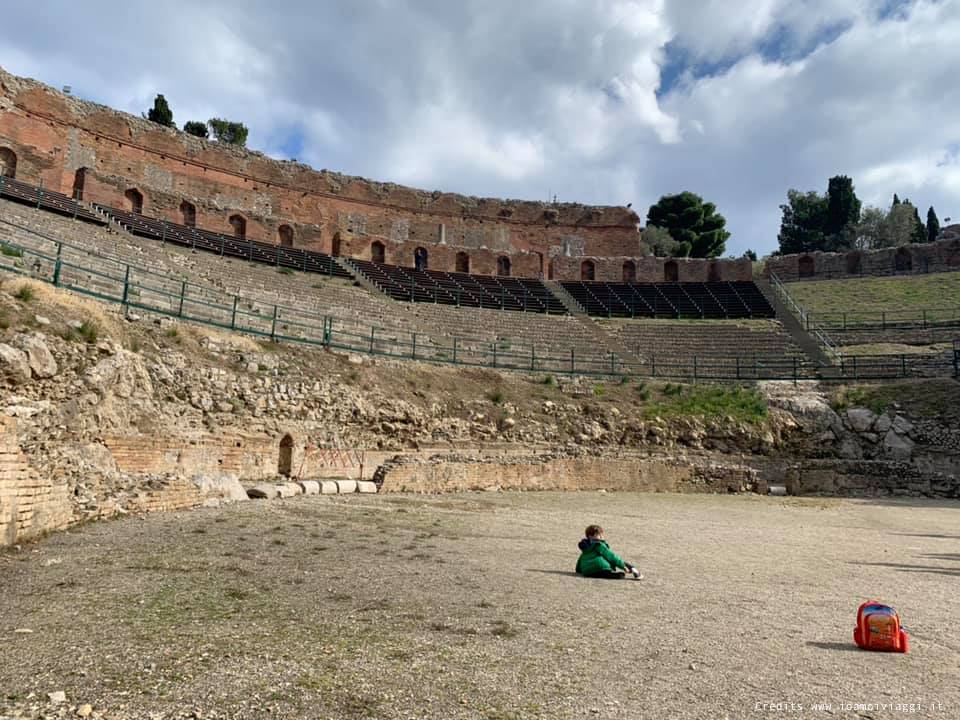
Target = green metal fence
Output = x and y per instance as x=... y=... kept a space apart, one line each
x=143 y=289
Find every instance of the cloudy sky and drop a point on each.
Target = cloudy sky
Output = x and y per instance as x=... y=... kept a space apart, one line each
x=597 y=101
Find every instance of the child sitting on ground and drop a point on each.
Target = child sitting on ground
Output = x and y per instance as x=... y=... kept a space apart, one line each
x=597 y=560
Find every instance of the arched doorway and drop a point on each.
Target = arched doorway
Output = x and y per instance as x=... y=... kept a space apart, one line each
x=550 y=269
x=286 y=235
x=378 y=252
x=713 y=272
x=903 y=261
x=462 y=262
x=335 y=245
x=8 y=162
x=188 y=214
x=420 y=259
x=134 y=200
x=79 y=180
x=587 y=270
x=671 y=271
x=285 y=463
x=629 y=271
x=805 y=267
x=239 y=225
x=503 y=266
x=853 y=263
x=540 y=257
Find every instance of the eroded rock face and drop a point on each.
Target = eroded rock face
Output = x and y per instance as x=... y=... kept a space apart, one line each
x=122 y=375
x=14 y=364
x=39 y=357
x=861 y=419
x=898 y=447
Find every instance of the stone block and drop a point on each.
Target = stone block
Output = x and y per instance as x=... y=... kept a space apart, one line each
x=345 y=487
x=264 y=491
x=310 y=487
x=366 y=486
x=883 y=424
x=861 y=419
x=290 y=489
x=328 y=487
x=896 y=447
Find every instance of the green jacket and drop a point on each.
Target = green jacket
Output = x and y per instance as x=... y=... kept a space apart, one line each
x=596 y=556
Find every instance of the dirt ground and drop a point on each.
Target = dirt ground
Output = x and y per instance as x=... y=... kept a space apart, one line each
x=466 y=606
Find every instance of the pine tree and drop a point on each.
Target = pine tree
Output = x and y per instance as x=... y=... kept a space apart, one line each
x=160 y=113
x=933 y=225
x=896 y=200
x=919 y=234
x=196 y=128
x=695 y=225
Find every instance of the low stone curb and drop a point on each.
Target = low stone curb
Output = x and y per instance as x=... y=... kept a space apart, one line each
x=272 y=491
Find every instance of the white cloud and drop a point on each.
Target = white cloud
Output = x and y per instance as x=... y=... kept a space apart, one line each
x=515 y=100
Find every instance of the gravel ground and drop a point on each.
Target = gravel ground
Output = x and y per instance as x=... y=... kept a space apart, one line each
x=465 y=606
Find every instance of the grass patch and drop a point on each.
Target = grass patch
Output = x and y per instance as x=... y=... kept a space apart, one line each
x=88 y=331
x=549 y=381
x=599 y=390
x=285 y=271
x=24 y=293
x=496 y=397
x=740 y=403
x=899 y=297
x=919 y=398
x=11 y=251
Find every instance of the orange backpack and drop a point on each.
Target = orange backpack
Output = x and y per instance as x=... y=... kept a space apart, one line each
x=878 y=628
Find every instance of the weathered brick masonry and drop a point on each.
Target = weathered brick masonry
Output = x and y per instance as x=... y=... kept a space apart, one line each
x=941 y=256
x=74 y=146
x=29 y=504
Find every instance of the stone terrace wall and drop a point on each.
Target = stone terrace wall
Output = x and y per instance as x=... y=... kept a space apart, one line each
x=652 y=269
x=53 y=136
x=29 y=505
x=941 y=256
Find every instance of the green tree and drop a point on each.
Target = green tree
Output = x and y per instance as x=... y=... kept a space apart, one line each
x=657 y=241
x=197 y=128
x=801 y=227
x=919 y=234
x=227 y=131
x=750 y=255
x=160 y=113
x=696 y=226
x=900 y=225
x=896 y=200
x=933 y=225
x=843 y=207
x=868 y=233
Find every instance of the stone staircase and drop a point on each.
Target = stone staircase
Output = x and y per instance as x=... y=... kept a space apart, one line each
x=811 y=346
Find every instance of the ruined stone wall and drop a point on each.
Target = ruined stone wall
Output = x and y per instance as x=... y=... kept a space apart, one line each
x=626 y=474
x=941 y=256
x=868 y=478
x=53 y=136
x=29 y=505
x=652 y=269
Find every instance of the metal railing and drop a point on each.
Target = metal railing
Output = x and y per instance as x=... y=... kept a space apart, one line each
x=819 y=334
x=916 y=319
x=141 y=289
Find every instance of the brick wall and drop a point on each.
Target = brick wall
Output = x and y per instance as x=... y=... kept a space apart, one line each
x=54 y=136
x=941 y=256
x=653 y=269
x=29 y=505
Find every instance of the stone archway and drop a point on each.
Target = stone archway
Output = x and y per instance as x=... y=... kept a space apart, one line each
x=421 y=259
x=671 y=271
x=335 y=245
x=134 y=200
x=79 y=180
x=588 y=270
x=286 y=235
x=8 y=162
x=805 y=267
x=629 y=271
x=188 y=214
x=462 y=263
x=503 y=266
x=854 y=263
x=903 y=261
x=239 y=225
x=285 y=462
x=378 y=252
